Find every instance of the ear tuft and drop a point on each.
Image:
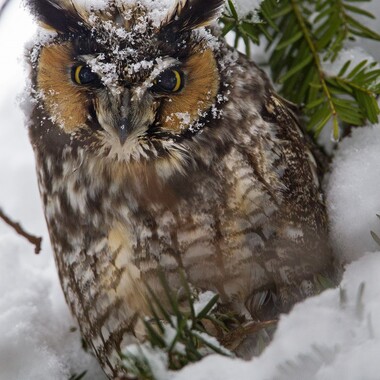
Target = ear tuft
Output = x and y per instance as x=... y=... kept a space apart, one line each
x=60 y=15
x=192 y=14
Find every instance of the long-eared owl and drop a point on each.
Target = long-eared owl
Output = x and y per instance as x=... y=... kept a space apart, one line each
x=161 y=149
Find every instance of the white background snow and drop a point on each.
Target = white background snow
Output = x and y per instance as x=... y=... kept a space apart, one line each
x=325 y=337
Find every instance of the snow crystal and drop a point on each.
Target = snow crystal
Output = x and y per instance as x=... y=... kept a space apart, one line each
x=158 y=9
x=142 y=65
x=107 y=70
x=184 y=119
x=92 y=4
x=42 y=37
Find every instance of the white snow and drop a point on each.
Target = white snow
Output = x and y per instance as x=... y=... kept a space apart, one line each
x=157 y=359
x=203 y=300
x=158 y=9
x=37 y=341
x=92 y=4
x=355 y=55
x=353 y=193
x=323 y=338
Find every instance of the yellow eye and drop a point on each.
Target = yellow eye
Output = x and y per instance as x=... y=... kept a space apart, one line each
x=178 y=81
x=169 y=81
x=83 y=75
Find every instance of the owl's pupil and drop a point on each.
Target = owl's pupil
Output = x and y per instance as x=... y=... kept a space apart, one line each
x=169 y=81
x=86 y=75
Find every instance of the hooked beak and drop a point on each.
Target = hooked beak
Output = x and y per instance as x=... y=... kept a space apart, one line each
x=128 y=120
x=132 y=115
x=124 y=129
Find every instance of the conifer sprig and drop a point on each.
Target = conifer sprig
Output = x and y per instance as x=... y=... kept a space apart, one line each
x=248 y=29
x=302 y=37
x=175 y=336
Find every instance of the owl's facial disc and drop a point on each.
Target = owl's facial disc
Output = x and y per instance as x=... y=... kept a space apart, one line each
x=128 y=102
x=122 y=88
x=165 y=98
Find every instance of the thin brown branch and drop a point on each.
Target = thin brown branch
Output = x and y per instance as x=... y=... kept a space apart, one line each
x=36 y=241
x=3 y=6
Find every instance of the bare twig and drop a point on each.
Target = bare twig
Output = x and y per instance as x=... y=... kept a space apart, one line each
x=3 y=6
x=36 y=241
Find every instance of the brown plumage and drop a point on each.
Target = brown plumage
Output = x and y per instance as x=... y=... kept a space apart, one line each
x=160 y=148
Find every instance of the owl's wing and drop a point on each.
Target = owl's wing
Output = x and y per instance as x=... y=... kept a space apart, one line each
x=292 y=214
x=104 y=292
x=289 y=115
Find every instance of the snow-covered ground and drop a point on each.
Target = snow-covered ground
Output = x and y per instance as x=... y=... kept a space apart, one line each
x=333 y=336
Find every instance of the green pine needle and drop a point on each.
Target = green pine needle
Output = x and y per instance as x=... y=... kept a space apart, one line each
x=78 y=377
x=376 y=237
x=303 y=36
x=177 y=336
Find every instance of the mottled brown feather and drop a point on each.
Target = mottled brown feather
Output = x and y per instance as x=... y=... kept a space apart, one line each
x=232 y=198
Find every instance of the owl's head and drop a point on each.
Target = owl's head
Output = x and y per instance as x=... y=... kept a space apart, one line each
x=130 y=77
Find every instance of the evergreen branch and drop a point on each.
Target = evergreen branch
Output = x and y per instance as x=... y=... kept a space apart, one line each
x=359 y=91
x=245 y=29
x=177 y=336
x=302 y=37
x=252 y=26
x=321 y=74
x=334 y=28
x=185 y=327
